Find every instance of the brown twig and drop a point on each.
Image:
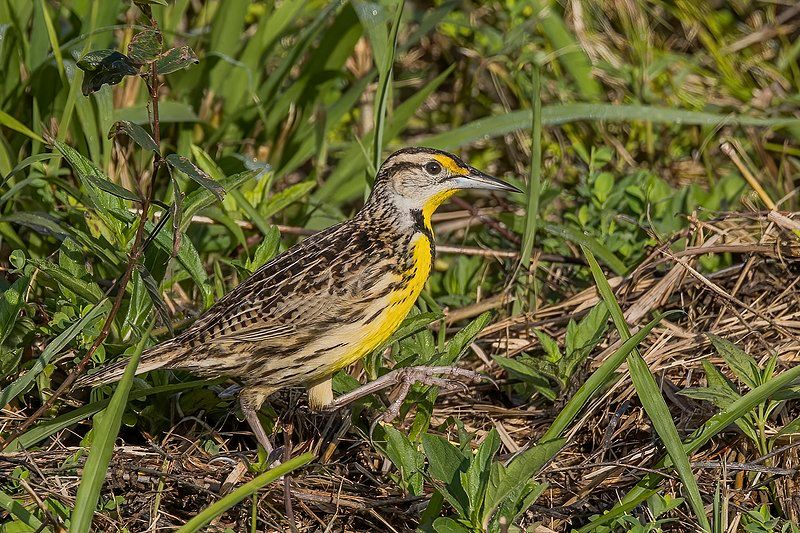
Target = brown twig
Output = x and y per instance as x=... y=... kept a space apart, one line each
x=136 y=252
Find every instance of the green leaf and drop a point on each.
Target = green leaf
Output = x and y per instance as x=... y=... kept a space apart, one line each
x=135 y=132
x=744 y=366
x=24 y=516
x=406 y=458
x=103 y=67
x=94 y=180
x=444 y=524
x=476 y=478
x=200 y=520
x=155 y=296
x=86 y=290
x=106 y=427
x=520 y=470
x=463 y=338
x=176 y=59
x=53 y=349
x=202 y=198
x=145 y=47
x=194 y=172
x=282 y=200
x=11 y=302
x=446 y=463
x=14 y=124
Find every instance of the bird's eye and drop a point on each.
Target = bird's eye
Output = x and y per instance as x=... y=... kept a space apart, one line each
x=433 y=168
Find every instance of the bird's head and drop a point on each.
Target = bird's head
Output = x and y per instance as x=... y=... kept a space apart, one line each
x=420 y=179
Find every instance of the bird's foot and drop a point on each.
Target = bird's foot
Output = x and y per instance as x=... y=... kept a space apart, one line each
x=444 y=377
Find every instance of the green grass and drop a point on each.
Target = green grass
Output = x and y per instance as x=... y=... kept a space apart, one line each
x=609 y=118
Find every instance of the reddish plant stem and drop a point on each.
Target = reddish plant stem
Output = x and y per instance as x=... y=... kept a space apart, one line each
x=135 y=254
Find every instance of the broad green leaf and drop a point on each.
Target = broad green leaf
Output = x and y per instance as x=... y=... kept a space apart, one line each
x=280 y=201
x=444 y=524
x=520 y=470
x=446 y=463
x=742 y=364
x=476 y=478
x=406 y=458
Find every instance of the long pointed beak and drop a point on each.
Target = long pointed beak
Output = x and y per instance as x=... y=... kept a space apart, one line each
x=478 y=180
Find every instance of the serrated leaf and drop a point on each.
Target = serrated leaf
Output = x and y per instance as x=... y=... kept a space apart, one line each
x=105 y=67
x=145 y=47
x=135 y=132
x=178 y=162
x=176 y=59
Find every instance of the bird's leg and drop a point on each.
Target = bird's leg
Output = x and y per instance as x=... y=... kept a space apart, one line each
x=445 y=377
x=251 y=415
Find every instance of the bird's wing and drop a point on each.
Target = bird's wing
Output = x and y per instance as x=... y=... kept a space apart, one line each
x=312 y=284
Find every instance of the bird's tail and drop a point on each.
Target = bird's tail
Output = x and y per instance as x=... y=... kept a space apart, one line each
x=151 y=359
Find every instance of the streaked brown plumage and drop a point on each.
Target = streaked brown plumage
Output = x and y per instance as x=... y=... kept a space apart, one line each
x=327 y=301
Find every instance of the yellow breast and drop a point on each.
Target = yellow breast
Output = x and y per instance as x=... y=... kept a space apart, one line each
x=396 y=305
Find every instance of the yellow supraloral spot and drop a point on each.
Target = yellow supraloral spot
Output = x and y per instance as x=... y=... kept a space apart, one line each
x=450 y=164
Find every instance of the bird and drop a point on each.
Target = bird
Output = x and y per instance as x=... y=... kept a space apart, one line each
x=327 y=301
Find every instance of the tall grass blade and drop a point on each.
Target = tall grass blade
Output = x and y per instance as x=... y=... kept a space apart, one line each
x=651 y=398
x=106 y=428
x=201 y=519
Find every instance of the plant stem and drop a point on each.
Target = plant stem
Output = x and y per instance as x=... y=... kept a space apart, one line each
x=137 y=249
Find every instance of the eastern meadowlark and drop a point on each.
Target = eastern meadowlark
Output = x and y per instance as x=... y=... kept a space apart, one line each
x=327 y=301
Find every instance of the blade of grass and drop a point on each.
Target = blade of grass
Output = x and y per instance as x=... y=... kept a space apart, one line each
x=15 y=508
x=14 y=124
x=384 y=88
x=566 y=47
x=205 y=516
x=106 y=427
x=651 y=398
x=552 y=115
x=534 y=183
x=713 y=426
